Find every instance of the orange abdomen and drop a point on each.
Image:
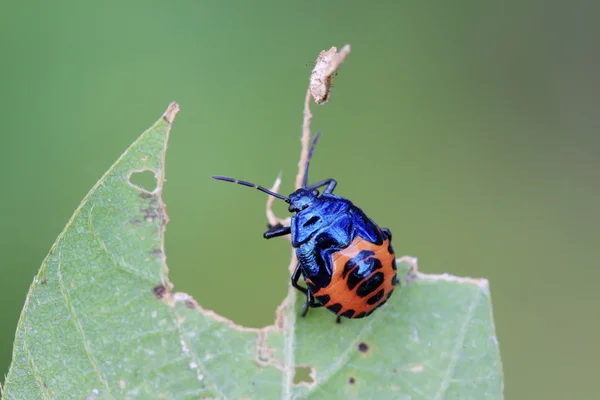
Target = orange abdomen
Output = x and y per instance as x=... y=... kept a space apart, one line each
x=363 y=278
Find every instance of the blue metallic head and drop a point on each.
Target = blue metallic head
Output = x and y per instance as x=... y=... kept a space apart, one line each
x=301 y=199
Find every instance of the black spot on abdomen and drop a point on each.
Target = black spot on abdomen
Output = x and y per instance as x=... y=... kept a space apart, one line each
x=360 y=267
x=335 y=308
x=356 y=261
x=370 y=285
x=353 y=281
x=323 y=299
x=374 y=299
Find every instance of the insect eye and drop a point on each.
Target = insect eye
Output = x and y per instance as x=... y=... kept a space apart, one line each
x=315 y=192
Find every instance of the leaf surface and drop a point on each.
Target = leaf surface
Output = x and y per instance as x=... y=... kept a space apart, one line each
x=101 y=321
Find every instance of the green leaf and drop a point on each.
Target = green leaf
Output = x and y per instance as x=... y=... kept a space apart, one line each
x=434 y=339
x=101 y=321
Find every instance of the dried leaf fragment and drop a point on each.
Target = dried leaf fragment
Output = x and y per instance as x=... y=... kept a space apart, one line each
x=326 y=66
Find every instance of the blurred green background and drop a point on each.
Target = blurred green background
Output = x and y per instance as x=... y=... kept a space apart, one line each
x=471 y=130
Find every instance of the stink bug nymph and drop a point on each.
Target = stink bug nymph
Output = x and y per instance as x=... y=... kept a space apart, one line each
x=345 y=258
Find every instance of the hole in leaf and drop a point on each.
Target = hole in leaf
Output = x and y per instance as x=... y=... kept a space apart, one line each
x=304 y=375
x=144 y=180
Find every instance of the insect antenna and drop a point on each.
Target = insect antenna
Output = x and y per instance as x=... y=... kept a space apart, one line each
x=310 y=153
x=252 y=185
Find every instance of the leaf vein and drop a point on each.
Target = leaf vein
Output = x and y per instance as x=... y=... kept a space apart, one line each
x=123 y=266
x=457 y=348
x=335 y=368
x=79 y=328
x=201 y=368
x=36 y=375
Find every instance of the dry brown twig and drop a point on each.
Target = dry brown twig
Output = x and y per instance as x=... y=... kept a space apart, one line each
x=325 y=68
x=319 y=89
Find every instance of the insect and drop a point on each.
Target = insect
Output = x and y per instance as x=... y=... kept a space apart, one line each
x=345 y=258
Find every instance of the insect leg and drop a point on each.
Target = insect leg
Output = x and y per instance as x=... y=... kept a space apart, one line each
x=277 y=230
x=296 y=277
x=310 y=303
x=306 y=306
x=387 y=233
x=331 y=184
